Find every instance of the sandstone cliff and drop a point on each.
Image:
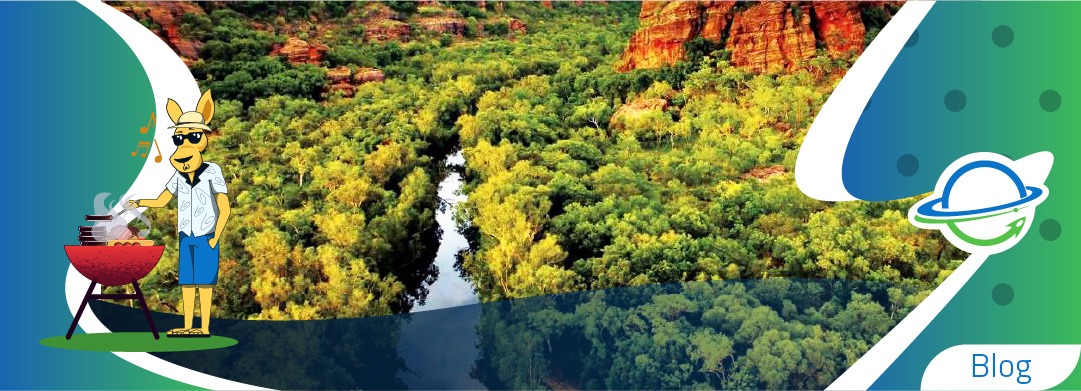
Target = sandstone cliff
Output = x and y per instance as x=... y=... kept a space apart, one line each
x=447 y=21
x=664 y=27
x=298 y=51
x=164 y=19
x=345 y=80
x=761 y=36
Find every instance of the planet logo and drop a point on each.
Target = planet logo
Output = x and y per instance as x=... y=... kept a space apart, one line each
x=984 y=203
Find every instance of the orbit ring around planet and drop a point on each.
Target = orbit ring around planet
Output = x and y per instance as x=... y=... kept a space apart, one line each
x=985 y=202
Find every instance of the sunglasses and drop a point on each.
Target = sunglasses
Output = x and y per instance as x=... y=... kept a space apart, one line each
x=192 y=137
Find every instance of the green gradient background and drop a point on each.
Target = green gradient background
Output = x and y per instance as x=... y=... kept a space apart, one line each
x=955 y=51
x=75 y=98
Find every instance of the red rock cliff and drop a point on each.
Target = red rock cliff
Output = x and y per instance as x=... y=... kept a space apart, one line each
x=168 y=16
x=298 y=51
x=665 y=26
x=761 y=36
x=772 y=34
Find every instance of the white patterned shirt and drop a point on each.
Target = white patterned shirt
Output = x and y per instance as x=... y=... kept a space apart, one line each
x=197 y=207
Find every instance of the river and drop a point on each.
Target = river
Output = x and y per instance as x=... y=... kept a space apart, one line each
x=449 y=289
x=440 y=347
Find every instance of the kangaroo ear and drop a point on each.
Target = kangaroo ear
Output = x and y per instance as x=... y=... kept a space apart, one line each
x=174 y=110
x=206 y=107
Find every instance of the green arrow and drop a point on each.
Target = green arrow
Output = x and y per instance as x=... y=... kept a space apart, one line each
x=927 y=220
x=1015 y=230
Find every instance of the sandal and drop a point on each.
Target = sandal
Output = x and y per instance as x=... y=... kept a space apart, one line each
x=187 y=333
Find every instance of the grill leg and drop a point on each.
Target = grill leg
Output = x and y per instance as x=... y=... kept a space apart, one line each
x=79 y=314
x=146 y=311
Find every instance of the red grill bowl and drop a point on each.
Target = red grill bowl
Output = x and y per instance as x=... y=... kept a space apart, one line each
x=114 y=265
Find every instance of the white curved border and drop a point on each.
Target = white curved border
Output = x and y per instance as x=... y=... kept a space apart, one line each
x=953 y=368
x=819 y=163
x=169 y=78
x=819 y=175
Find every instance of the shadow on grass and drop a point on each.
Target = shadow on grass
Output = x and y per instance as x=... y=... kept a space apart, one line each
x=136 y=342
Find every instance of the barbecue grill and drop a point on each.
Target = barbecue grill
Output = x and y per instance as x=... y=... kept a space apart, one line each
x=114 y=266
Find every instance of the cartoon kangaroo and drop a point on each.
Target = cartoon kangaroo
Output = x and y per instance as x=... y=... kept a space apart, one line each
x=202 y=210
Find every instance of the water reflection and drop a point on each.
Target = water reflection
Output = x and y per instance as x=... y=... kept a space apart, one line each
x=730 y=334
x=440 y=348
x=321 y=354
x=450 y=289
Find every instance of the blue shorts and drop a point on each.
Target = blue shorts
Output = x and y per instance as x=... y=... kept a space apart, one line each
x=198 y=261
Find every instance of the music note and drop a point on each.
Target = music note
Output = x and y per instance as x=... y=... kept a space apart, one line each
x=149 y=125
x=157 y=159
x=142 y=144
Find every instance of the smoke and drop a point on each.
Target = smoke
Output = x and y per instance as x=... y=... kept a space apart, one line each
x=121 y=218
x=99 y=204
